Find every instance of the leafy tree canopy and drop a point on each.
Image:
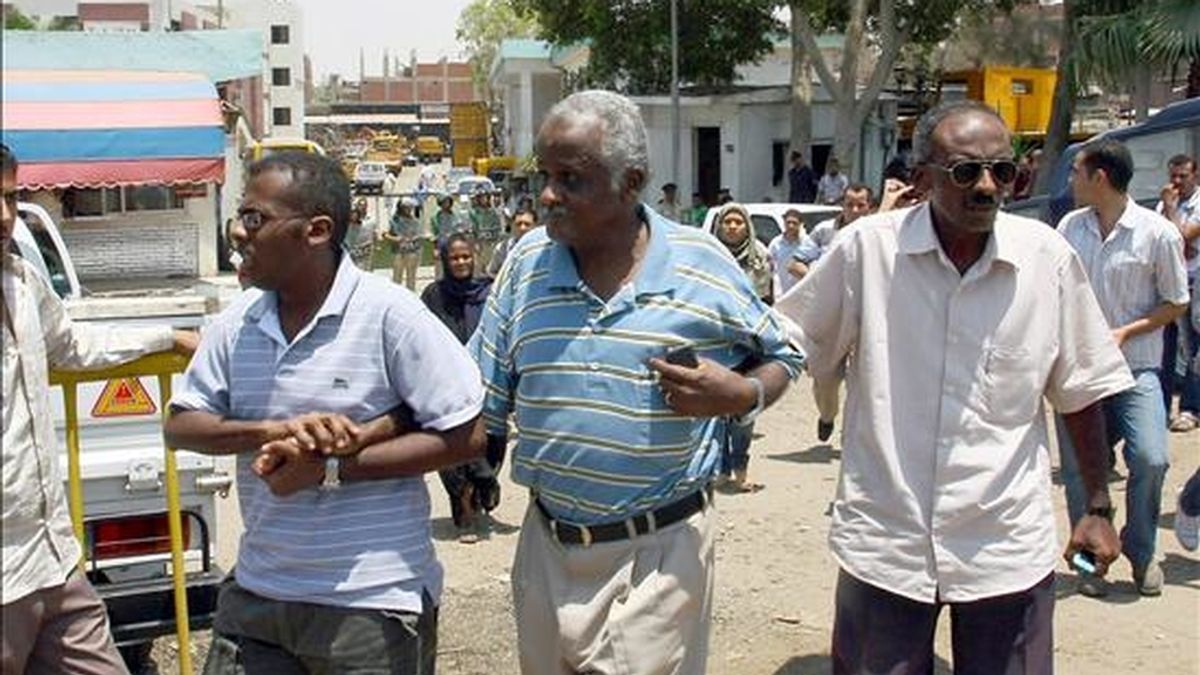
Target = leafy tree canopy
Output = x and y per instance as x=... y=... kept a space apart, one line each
x=484 y=24
x=630 y=40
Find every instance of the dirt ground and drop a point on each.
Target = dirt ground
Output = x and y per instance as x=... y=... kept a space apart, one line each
x=774 y=587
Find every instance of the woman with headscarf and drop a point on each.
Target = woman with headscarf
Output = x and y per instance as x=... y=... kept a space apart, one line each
x=735 y=230
x=458 y=299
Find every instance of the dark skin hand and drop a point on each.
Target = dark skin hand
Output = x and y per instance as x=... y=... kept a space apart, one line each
x=287 y=467
x=712 y=390
x=1092 y=533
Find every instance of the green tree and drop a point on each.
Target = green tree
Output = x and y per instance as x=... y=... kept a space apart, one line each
x=630 y=40
x=870 y=28
x=15 y=20
x=484 y=24
x=1119 y=44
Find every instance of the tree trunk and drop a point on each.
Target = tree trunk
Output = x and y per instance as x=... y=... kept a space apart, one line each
x=1141 y=92
x=1193 y=78
x=801 y=135
x=1062 y=108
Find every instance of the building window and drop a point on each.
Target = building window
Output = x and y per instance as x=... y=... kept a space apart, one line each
x=280 y=35
x=281 y=117
x=82 y=203
x=281 y=77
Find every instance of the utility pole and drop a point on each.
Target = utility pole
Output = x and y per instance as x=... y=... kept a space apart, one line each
x=675 y=91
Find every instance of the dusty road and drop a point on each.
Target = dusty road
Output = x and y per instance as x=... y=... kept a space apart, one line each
x=774 y=588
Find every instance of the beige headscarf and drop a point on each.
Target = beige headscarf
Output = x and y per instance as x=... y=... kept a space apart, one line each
x=749 y=253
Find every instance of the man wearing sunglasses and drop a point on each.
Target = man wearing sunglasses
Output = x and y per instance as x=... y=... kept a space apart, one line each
x=951 y=321
x=1134 y=260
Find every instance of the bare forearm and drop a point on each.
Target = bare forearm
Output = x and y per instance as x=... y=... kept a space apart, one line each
x=1161 y=316
x=775 y=381
x=416 y=452
x=1088 y=436
x=215 y=435
x=797 y=269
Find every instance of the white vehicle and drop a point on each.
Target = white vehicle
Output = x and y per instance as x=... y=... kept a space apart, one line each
x=369 y=177
x=768 y=218
x=126 y=542
x=467 y=186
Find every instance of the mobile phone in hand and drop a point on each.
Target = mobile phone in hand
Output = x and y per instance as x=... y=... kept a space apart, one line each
x=1084 y=561
x=683 y=355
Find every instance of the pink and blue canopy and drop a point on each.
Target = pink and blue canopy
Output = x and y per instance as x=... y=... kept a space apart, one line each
x=85 y=128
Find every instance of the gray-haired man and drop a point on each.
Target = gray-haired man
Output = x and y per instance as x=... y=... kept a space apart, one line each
x=613 y=572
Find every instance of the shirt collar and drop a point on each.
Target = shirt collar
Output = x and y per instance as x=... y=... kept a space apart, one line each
x=657 y=272
x=917 y=236
x=345 y=280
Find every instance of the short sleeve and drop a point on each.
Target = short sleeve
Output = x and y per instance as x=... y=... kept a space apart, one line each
x=490 y=348
x=206 y=381
x=1170 y=271
x=821 y=310
x=1088 y=366
x=432 y=372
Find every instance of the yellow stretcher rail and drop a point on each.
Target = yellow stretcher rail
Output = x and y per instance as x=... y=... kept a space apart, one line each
x=163 y=365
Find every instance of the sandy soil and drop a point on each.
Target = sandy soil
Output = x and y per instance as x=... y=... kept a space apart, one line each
x=774 y=588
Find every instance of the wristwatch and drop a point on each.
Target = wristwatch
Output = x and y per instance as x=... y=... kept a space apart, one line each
x=1106 y=512
x=333 y=474
x=747 y=418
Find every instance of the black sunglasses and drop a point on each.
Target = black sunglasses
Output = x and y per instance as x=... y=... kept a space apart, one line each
x=967 y=172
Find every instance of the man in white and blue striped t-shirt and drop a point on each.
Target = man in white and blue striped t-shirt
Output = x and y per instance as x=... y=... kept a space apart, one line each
x=614 y=564
x=336 y=571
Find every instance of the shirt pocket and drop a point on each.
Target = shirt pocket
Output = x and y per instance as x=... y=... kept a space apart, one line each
x=1009 y=391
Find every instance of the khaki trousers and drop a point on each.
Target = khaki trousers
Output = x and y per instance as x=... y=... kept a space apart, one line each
x=404 y=269
x=59 y=630
x=484 y=251
x=633 y=607
x=826 y=394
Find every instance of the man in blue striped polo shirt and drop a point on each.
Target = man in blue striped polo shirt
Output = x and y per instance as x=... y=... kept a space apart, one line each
x=336 y=571
x=613 y=570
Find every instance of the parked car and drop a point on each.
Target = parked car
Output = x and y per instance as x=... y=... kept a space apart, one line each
x=369 y=177
x=768 y=217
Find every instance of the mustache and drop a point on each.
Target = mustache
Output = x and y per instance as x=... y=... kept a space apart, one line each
x=981 y=199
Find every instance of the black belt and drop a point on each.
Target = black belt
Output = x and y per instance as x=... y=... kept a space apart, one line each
x=643 y=523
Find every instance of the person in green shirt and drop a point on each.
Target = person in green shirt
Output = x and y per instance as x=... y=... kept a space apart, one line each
x=694 y=216
x=486 y=228
x=404 y=235
x=445 y=223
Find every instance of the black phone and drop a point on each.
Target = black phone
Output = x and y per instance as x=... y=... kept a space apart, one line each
x=683 y=355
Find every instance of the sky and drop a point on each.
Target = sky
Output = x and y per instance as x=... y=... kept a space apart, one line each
x=334 y=30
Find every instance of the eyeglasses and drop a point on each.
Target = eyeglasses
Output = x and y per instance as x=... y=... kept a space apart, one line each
x=967 y=172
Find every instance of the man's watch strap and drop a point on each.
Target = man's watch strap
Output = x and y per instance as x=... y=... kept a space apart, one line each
x=333 y=473
x=1106 y=512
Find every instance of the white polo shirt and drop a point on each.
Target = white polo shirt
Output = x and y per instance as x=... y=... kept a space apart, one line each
x=372 y=346
x=1135 y=269
x=945 y=488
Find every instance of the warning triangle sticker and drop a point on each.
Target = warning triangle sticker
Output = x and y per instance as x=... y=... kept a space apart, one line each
x=123 y=398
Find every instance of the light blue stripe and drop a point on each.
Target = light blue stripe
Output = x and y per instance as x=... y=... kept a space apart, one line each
x=114 y=144
x=83 y=92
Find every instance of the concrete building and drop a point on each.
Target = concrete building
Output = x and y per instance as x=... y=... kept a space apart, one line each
x=284 y=77
x=441 y=82
x=736 y=137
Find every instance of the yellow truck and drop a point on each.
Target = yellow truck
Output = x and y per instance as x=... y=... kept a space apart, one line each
x=430 y=149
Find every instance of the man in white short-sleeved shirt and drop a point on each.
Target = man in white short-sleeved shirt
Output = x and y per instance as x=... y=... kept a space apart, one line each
x=1134 y=261
x=337 y=390
x=952 y=320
